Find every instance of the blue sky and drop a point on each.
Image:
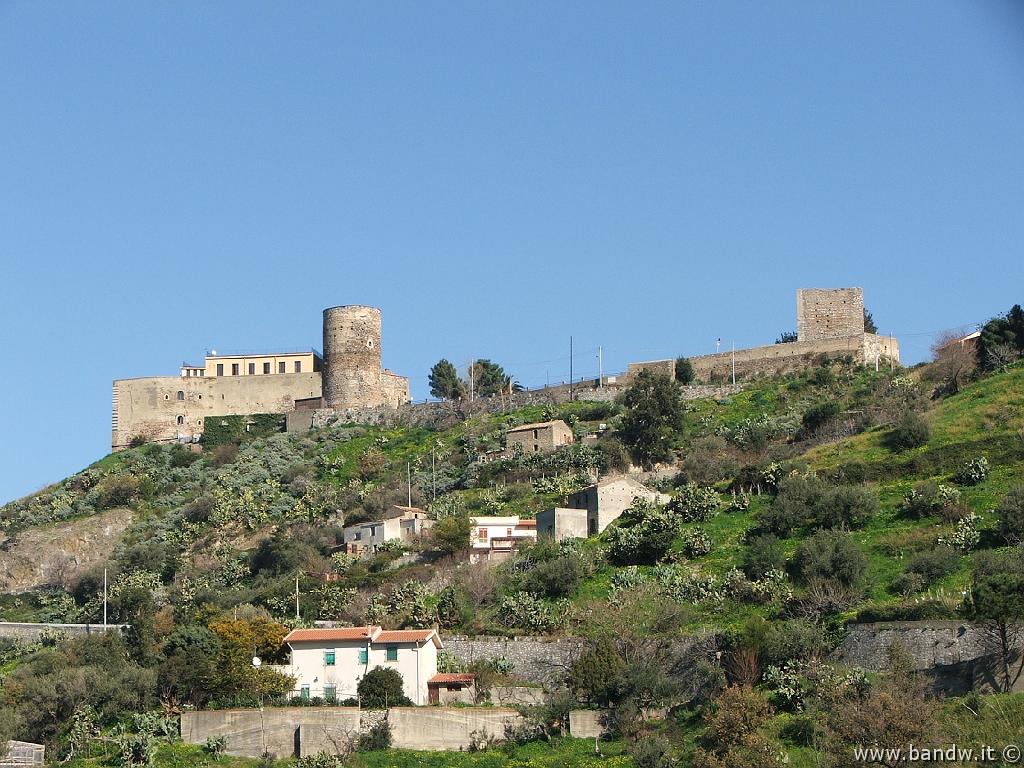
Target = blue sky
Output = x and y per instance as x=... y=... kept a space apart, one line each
x=643 y=176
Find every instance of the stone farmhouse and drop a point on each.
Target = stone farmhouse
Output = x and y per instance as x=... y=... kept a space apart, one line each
x=329 y=663
x=830 y=323
x=542 y=437
x=347 y=375
x=494 y=539
x=403 y=524
x=592 y=509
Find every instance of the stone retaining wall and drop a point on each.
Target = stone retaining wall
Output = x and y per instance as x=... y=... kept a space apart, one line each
x=539 y=660
x=30 y=633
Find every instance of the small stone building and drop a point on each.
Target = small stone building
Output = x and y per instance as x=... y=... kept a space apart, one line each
x=451 y=688
x=403 y=524
x=541 y=437
x=607 y=500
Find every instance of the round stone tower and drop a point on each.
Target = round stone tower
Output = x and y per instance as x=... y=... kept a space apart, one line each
x=352 y=370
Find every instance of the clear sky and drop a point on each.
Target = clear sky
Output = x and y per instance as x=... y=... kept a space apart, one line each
x=496 y=176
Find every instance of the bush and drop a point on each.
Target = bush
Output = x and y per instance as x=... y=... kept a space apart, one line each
x=930 y=498
x=554 y=578
x=794 y=640
x=642 y=535
x=800 y=731
x=684 y=371
x=973 y=472
x=763 y=554
x=926 y=568
x=381 y=688
x=377 y=738
x=831 y=557
x=117 y=491
x=911 y=431
x=695 y=503
x=807 y=501
x=708 y=461
x=817 y=416
x=1011 y=517
x=697 y=542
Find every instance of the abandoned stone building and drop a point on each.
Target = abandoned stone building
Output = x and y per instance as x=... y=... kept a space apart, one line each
x=542 y=437
x=830 y=323
x=347 y=375
x=592 y=509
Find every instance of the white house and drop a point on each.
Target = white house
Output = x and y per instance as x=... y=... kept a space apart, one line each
x=493 y=539
x=329 y=663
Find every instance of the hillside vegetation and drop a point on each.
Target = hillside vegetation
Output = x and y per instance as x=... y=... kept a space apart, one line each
x=799 y=504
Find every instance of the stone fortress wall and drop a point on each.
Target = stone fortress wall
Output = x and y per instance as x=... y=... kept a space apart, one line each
x=830 y=322
x=172 y=408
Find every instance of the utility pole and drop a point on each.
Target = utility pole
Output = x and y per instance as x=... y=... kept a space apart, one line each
x=433 y=476
x=600 y=368
x=296 y=597
x=104 y=599
x=471 y=382
x=408 y=479
x=570 y=369
x=734 y=363
x=718 y=345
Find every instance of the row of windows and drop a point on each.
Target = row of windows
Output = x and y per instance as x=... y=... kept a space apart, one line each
x=330 y=693
x=331 y=655
x=282 y=367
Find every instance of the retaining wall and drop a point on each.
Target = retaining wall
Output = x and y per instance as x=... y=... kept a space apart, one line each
x=538 y=660
x=275 y=730
x=31 y=633
x=439 y=728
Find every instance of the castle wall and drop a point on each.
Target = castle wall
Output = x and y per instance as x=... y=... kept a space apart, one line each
x=352 y=356
x=150 y=407
x=779 y=358
x=394 y=389
x=824 y=313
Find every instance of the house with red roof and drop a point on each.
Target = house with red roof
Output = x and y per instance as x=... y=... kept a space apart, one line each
x=329 y=663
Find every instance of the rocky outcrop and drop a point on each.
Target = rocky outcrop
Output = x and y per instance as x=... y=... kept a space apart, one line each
x=53 y=555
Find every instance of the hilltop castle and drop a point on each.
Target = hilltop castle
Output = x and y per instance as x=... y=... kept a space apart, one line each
x=347 y=375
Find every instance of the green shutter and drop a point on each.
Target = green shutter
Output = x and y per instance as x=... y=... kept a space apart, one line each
x=330 y=693
x=392 y=651
x=304 y=692
x=329 y=658
x=364 y=657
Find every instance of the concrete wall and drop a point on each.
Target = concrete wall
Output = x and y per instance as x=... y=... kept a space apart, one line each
x=823 y=313
x=562 y=523
x=586 y=723
x=538 y=660
x=517 y=695
x=150 y=407
x=30 y=633
x=436 y=728
x=252 y=732
x=952 y=654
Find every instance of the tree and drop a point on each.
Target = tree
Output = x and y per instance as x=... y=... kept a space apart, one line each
x=1011 y=516
x=997 y=604
x=684 y=371
x=381 y=688
x=451 y=534
x=489 y=378
x=1002 y=340
x=596 y=673
x=445 y=382
x=732 y=737
x=869 y=323
x=653 y=417
x=786 y=337
x=953 y=361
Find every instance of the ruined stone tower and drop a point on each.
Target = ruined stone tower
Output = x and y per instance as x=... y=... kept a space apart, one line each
x=352 y=359
x=827 y=313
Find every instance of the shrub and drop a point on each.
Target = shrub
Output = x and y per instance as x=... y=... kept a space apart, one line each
x=817 y=416
x=117 y=491
x=929 y=498
x=1011 y=517
x=793 y=640
x=695 y=503
x=225 y=454
x=643 y=534
x=831 y=556
x=697 y=542
x=377 y=738
x=807 y=501
x=763 y=553
x=972 y=472
x=381 y=688
x=651 y=752
x=524 y=611
x=684 y=371
x=708 y=461
x=851 y=506
x=554 y=578
x=911 y=431
x=926 y=568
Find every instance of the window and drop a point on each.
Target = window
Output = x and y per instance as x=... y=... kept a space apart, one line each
x=482 y=534
x=304 y=692
x=181 y=395
x=392 y=653
x=592 y=526
x=298 y=366
x=364 y=656
x=252 y=369
x=535 y=434
x=234 y=369
x=329 y=657
x=280 y=367
x=181 y=419
x=266 y=367
x=508 y=531
x=220 y=369
x=330 y=693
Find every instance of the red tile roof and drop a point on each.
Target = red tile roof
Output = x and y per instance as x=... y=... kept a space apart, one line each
x=527 y=524
x=407 y=636
x=336 y=633
x=451 y=677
